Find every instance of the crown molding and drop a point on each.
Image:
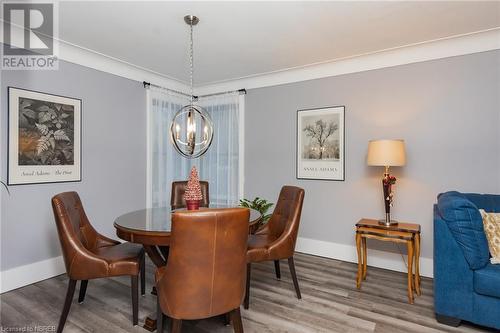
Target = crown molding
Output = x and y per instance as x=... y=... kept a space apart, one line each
x=470 y=43
x=476 y=42
x=93 y=59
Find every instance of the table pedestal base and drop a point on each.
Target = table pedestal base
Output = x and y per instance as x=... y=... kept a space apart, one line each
x=150 y=324
x=159 y=256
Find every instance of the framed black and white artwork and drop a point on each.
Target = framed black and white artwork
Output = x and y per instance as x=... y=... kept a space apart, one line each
x=321 y=143
x=44 y=138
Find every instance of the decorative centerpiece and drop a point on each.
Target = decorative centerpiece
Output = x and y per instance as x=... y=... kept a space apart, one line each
x=193 y=194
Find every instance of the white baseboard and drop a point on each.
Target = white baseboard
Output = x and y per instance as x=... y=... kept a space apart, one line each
x=381 y=259
x=24 y=275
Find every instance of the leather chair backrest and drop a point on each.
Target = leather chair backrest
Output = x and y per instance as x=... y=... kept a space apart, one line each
x=76 y=234
x=206 y=270
x=285 y=220
x=179 y=188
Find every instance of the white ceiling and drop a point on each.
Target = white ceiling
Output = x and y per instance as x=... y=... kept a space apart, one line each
x=240 y=39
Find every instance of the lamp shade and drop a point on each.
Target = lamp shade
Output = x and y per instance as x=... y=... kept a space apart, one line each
x=386 y=153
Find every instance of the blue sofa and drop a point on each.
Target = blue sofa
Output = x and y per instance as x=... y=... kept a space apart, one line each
x=466 y=284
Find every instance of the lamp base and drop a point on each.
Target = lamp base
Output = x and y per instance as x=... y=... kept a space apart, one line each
x=387 y=223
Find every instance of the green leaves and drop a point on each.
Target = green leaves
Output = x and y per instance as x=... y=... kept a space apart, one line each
x=260 y=205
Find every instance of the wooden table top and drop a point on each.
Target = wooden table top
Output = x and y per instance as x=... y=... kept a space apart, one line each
x=152 y=226
x=401 y=226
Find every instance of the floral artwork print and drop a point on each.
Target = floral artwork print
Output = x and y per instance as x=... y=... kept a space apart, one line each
x=46 y=133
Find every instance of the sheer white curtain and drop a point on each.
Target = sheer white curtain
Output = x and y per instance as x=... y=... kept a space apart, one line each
x=162 y=159
x=221 y=165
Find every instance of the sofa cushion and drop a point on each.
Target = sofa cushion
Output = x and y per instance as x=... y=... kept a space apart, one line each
x=489 y=202
x=491 y=225
x=466 y=225
x=487 y=280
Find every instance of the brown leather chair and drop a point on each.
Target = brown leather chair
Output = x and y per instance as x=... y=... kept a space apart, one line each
x=90 y=255
x=177 y=197
x=205 y=274
x=276 y=239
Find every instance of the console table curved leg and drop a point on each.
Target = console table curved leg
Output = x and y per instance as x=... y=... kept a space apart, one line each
x=365 y=257
x=410 y=271
x=417 y=265
x=360 y=261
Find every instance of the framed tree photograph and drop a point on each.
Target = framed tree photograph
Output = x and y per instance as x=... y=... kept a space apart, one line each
x=44 y=138
x=320 y=143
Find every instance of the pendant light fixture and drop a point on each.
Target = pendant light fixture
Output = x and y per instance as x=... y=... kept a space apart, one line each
x=191 y=130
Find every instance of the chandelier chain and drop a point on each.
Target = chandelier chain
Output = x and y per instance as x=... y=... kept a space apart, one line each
x=191 y=60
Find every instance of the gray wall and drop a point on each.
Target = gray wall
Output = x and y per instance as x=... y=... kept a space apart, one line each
x=113 y=160
x=447 y=111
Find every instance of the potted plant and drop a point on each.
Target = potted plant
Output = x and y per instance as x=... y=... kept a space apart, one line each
x=193 y=194
x=260 y=205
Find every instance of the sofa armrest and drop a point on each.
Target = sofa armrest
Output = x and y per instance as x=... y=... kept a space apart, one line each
x=453 y=278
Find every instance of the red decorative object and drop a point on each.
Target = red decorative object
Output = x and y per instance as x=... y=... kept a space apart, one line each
x=193 y=194
x=387 y=183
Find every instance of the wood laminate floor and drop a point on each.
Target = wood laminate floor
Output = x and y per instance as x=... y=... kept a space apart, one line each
x=330 y=303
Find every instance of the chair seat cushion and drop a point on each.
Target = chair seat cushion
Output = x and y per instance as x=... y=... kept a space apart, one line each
x=258 y=247
x=122 y=259
x=466 y=225
x=487 y=280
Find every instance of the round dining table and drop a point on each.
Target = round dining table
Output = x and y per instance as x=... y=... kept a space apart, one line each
x=151 y=227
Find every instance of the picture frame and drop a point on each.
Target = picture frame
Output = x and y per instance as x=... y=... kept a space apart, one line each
x=44 y=138
x=320 y=138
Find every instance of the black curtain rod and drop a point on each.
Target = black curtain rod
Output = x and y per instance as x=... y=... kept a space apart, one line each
x=148 y=84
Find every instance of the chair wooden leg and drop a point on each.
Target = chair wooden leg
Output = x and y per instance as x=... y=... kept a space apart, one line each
x=160 y=318
x=227 y=319
x=277 y=269
x=236 y=320
x=176 y=326
x=83 y=290
x=143 y=275
x=135 y=299
x=67 y=305
x=291 y=264
x=247 y=293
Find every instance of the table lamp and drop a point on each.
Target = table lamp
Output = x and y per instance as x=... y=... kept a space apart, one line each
x=387 y=153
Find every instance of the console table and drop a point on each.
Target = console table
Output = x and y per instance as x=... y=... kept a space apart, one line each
x=406 y=233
